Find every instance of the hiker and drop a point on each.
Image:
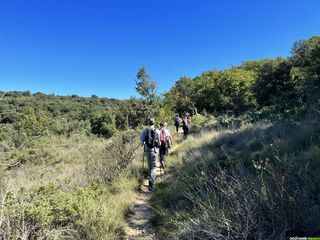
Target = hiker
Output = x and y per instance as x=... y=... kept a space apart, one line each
x=186 y=126
x=165 y=142
x=177 y=122
x=150 y=139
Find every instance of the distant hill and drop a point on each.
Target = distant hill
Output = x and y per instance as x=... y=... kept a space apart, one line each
x=14 y=103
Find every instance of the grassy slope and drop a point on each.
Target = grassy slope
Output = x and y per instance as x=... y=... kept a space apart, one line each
x=258 y=182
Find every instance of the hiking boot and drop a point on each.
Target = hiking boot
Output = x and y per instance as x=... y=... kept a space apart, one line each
x=162 y=165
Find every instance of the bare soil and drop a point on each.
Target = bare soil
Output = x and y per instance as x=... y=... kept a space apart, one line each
x=139 y=225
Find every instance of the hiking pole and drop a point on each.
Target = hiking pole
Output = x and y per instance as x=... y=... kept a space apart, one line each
x=144 y=148
x=143 y=158
x=160 y=166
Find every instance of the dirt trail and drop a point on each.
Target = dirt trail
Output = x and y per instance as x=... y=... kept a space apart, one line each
x=139 y=221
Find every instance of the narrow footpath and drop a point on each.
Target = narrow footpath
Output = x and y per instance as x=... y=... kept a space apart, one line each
x=139 y=220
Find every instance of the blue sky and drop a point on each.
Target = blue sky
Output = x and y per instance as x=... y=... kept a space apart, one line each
x=96 y=47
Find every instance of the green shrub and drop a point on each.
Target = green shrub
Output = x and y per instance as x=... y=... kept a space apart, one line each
x=117 y=155
x=104 y=125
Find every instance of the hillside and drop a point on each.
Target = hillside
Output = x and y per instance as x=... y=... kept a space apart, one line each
x=70 y=167
x=259 y=181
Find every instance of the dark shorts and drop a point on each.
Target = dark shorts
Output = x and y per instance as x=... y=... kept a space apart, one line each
x=163 y=151
x=186 y=130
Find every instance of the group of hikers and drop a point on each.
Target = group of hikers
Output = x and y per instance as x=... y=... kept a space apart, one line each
x=156 y=142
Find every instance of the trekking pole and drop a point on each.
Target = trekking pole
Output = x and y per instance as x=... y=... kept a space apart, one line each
x=160 y=169
x=143 y=158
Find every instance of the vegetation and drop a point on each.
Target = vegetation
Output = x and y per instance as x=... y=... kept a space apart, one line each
x=255 y=177
x=283 y=83
x=70 y=165
x=78 y=186
x=256 y=182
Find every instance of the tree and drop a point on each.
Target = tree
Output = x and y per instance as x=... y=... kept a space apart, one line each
x=274 y=84
x=207 y=93
x=104 y=125
x=146 y=87
x=32 y=123
x=306 y=68
x=128 y=114
x=224 y=91
x=180 y=98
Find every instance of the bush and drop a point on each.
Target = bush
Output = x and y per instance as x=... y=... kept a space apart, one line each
x=104 y=125
x=118 y=154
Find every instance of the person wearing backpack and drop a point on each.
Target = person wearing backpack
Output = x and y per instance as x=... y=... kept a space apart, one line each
x=177 y=122
x=150 y=139
x=165 y=142
x=185 y=126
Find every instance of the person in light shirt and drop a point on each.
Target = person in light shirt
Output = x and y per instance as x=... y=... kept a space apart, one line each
x=165 y=142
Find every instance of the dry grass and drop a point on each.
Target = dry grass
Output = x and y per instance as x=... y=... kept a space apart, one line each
x=251 y=183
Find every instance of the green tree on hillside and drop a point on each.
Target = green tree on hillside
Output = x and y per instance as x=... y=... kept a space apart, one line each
x=104 y=125
x=254 y=65
x=146 y=87
x=224 y=91
x=306 y=68
x=180 y=98
x=213 y=91
x=32 y=123
x=274 y=84
x=129 y=114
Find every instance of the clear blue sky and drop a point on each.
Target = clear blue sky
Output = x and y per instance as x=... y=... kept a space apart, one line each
x=96 y=47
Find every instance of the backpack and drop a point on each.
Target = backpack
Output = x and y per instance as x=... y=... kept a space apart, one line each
x=151 y=139
x=185 y=123
x=165 y=142
x=177 y=121
x=163 y=138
